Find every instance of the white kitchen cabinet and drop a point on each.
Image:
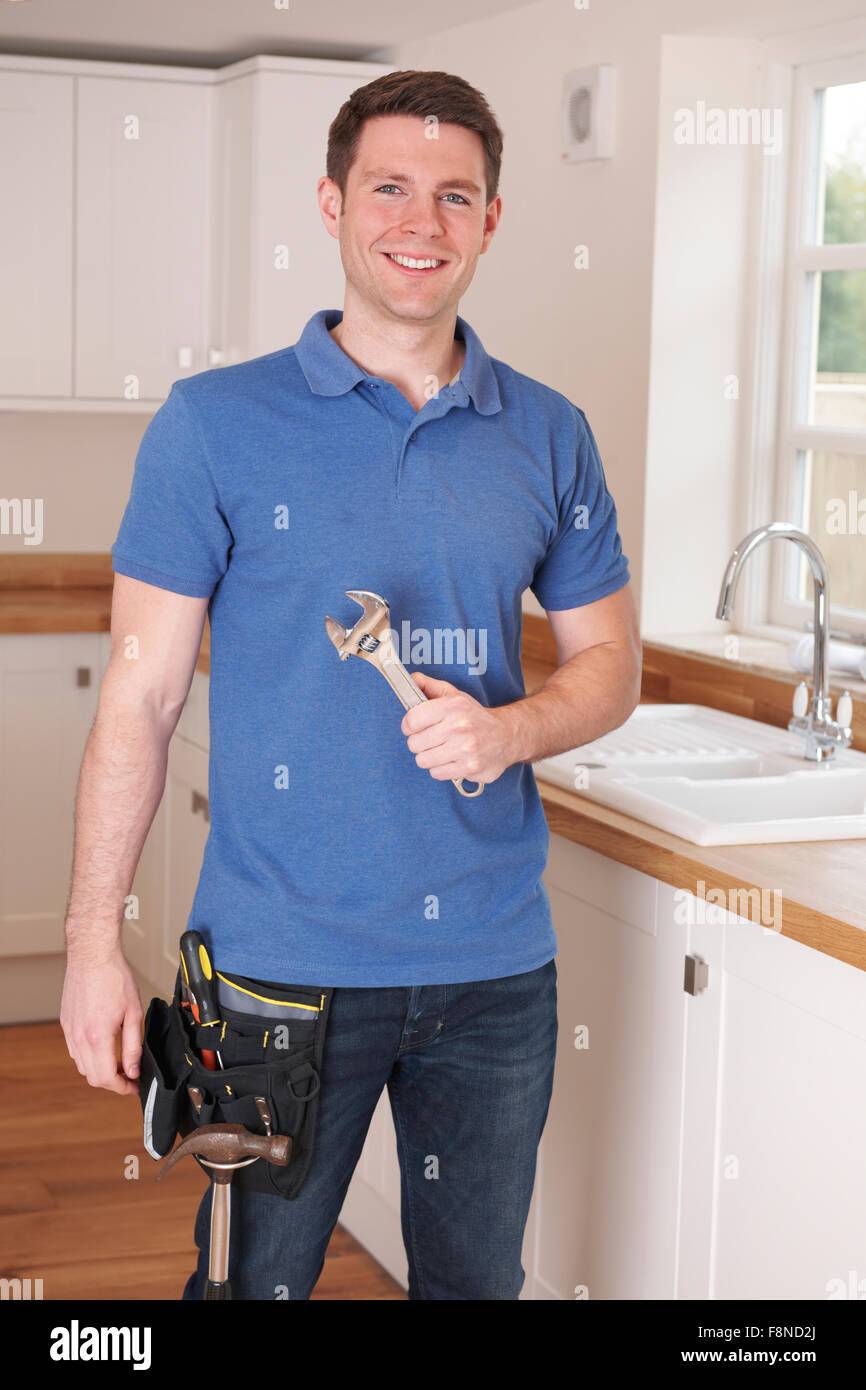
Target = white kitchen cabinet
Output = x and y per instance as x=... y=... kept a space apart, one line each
x=774 y=1141
x=189 y=197
x=274 y=263
x=141 y=235
x=49 y=686
x=714 y=1148
x=36 y=176
x=607 y=1187
x=49 y=692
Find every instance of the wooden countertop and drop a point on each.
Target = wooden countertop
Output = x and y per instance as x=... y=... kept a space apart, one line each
x=822 y=884
x=55 y=610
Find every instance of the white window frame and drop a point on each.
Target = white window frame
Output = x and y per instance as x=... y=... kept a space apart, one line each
x=800 y=257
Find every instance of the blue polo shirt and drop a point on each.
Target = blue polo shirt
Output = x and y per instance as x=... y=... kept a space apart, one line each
x=272 y=486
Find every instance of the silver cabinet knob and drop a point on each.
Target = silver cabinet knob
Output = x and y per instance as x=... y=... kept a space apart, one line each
x=697 y=975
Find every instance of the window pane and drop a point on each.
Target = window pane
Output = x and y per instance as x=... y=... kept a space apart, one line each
x=843 y=164
x=833 y=501
x=838 y=387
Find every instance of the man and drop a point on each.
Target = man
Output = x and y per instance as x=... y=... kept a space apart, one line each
x=384 y=451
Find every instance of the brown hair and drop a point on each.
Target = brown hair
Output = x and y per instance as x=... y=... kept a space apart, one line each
x=414 y=93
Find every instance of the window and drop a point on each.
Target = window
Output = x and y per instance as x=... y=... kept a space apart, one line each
x=821 y=480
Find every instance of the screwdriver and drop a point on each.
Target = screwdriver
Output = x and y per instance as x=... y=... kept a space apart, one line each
x=198 y=976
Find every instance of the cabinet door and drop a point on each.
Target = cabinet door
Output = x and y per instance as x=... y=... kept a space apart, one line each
x=36 y=161
x=48 y=698
x=775 y=1134
x=296 y=264
x=231 y=262
x=141 y=235
x=607 y=1187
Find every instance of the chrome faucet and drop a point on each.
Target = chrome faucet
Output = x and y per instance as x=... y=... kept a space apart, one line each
x=814 y=719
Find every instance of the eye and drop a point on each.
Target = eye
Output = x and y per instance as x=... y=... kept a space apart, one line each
x=383 y=187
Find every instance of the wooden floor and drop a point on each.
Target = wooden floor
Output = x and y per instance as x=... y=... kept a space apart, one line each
x=70 y=1217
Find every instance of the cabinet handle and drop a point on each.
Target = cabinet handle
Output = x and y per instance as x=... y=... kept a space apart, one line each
x=82 y=676
x=185 y=356
x=696 y=975
x=215 y=357
x=200 y=803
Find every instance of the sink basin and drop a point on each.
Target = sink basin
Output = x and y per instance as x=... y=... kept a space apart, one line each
x=716 y=778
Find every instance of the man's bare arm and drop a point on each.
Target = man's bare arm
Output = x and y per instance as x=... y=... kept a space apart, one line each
x=593 y=690
x=155 y=640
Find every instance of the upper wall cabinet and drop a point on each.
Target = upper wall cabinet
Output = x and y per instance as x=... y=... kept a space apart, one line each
x=36 y=163
x=274 y=263
x=141 y=243
x=159 y=221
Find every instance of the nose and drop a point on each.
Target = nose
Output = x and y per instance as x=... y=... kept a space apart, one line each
x=423 y=217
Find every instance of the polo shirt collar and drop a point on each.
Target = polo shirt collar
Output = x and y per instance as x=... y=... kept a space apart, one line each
x=330 y=372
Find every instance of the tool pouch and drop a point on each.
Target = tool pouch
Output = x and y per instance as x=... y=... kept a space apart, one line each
x=271 y=1038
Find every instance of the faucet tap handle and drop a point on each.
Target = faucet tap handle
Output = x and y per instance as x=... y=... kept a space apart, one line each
x=801 y=699
x=844 y=709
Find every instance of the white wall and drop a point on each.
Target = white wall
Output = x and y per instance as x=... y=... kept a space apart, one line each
x=79 y=464
x=701 y=369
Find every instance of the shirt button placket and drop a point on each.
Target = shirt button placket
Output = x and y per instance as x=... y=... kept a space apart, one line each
x=420 y=487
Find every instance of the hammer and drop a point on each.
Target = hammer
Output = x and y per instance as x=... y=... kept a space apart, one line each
x=370 y=639
x=222 y=1149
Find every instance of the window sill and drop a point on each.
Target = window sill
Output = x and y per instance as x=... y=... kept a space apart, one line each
x=763 y=653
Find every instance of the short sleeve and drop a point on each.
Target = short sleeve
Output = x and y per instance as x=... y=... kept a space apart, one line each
x=584 y=561
x=173 y=532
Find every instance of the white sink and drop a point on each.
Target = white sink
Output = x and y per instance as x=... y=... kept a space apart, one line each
x=716 y=778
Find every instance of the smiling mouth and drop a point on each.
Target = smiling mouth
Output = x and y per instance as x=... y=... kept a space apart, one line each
x=415 y=265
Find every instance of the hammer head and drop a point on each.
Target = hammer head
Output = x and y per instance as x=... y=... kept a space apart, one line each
x=370 y=629
x=230 y=1144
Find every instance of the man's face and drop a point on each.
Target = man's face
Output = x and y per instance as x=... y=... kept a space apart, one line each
x=415 y=197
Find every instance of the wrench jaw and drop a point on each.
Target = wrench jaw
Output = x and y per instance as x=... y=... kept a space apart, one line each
x=338 y=635
x=369 y=632
x=370 y=602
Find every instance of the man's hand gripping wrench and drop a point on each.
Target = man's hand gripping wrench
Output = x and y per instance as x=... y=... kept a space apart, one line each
x=370 y=639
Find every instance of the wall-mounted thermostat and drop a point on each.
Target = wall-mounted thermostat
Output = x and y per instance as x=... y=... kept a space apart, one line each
x=588 y=113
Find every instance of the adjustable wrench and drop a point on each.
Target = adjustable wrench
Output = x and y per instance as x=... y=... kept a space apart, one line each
x=370 y=639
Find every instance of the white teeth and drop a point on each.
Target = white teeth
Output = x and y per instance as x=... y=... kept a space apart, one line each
x=412 y=263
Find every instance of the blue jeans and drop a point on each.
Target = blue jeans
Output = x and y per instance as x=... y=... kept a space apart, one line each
x=469 y=1071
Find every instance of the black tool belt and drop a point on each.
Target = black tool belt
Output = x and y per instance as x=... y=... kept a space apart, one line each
x=270 y=1038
